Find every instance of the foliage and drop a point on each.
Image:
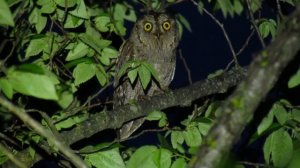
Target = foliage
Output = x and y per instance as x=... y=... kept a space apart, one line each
x=55 y=48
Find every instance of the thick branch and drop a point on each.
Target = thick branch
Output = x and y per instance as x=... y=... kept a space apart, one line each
x=239 y=108
x=181 y=97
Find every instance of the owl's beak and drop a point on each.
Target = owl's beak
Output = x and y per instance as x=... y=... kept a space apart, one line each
x=158 y=35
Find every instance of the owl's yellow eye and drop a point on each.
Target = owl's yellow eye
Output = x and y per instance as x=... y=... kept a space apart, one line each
x=147 y=26
x=166 y=25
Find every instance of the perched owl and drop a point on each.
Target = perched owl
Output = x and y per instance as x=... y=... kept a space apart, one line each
x=153 y=39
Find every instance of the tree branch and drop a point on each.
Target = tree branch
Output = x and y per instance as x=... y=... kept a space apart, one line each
x=181 y=97
x=240 y=106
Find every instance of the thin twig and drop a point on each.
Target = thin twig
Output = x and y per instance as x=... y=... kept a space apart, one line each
x=8 y=139
x=14 y=45
x=143 y=132
x=241 y=50
x=254 y=24
x=246 y=43
x=64 y=149
x=98 y=93
x=224 y=32
x=252 y=164
x=11 y=156
x=279 y=9
x=69 y=73
x=48 y=120
x=188 y=71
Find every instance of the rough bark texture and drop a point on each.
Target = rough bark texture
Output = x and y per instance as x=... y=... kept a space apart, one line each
x=240 y=106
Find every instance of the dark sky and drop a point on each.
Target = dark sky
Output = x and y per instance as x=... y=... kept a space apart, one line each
x=205 y=48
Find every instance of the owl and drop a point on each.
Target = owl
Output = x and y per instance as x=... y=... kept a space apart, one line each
x=154 y=39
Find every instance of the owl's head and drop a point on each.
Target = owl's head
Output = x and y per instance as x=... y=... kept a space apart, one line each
x=157 y=29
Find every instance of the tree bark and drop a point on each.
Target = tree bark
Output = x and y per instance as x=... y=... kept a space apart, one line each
x=239 y=108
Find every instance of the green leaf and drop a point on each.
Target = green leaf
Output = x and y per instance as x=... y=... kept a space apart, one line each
x=104 y=60
x=71 y=121
x=295 y=113
x=278 y=148
x=226 y=7
x=295 y=161
x=6 y=88
x=36 y=46
x=65 y=99
x=102 y=23
x=66 y=3
x=192 y=137
x=176 y=138
x=33 y=68
x=267 y=27
x=83 y=72
x=32 y=152
x=204 y=125
x=98 y=147
x=158 y=115
x=37 y=20
x=121 y=12
x=101 y=75
x=108 y=159
x=80 y=10
x=119 y=28
x=280 y=113
x=36 y=85
x=109 y=53
x=294 y=80
x=145 y=76
x=200 y=7
x=94 y=42
x=73 y=21
x=3 y=157
x=48 y=6
x=79 y=51
x=266 y=122
x=152 y=71
x=162 y=158
x=155 y=115
x=132 y=75
x=185 y=23
x=142 y=158
x=238 y=7
x=255 y=5
x=163 y=121
x=6 y=17
x=179 y=163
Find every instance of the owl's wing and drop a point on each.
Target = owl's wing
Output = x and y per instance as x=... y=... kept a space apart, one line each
x=126 y=53
x=121 y=88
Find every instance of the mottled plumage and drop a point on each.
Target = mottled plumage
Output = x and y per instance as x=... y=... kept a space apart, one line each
x=153 y=39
